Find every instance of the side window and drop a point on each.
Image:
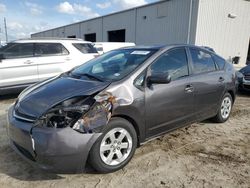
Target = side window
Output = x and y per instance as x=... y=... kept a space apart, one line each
x=85 y=48
x=140 y=80
x=219 y=61
x=174 y=63
x=202 y=61
x=49 y=49
x=18 y=50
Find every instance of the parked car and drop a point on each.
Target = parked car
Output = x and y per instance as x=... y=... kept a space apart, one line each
x=103 y=47
x=24 y=62
x=244 y=78
x=104 y=109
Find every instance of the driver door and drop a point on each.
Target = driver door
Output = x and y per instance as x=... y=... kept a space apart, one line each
x=171 y=105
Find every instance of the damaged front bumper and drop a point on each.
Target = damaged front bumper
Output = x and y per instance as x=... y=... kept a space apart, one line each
x=56 y=150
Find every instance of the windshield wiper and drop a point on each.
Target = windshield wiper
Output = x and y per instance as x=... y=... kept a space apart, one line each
x=89 y=76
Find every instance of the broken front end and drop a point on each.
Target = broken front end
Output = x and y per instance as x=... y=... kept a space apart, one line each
x=61 y=138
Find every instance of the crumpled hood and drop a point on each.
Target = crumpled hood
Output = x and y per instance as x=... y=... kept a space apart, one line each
x=37 y=100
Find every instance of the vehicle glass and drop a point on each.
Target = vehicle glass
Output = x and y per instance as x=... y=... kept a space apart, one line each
x=174 y=63
x=85 y=48
x=17 y=50
x=219 y=61
x=98 y=47
x=48 y=49
x=8 y=45
x=140 y=80
x=202 y=61
x=114 y=65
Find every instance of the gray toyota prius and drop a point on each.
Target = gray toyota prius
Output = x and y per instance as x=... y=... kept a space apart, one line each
x=100 y=112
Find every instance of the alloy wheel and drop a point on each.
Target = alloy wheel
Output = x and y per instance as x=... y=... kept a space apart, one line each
x=116 y=146
x=226 y=107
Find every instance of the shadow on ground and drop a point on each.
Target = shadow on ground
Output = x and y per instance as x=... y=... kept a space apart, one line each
x=8 y=97
x=12 y=164
x=15 y=167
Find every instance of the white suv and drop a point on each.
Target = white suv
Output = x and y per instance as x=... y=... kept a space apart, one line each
x=24 y=62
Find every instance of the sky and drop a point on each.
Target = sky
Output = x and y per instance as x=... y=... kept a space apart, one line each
x=30 y=16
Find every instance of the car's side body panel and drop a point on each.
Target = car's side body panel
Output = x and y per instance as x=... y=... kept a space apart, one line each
x=168 y=106
x=208 y=91
x=18 y=71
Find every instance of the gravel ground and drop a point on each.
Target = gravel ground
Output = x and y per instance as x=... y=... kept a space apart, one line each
x=201 y=155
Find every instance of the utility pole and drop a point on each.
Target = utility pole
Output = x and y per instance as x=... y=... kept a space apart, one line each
x=6 y=33
x=0 y=37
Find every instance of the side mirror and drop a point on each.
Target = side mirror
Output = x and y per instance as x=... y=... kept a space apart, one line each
x=159 y=78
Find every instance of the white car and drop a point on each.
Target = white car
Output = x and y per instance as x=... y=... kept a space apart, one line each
x=27 y=61
x=103 y=47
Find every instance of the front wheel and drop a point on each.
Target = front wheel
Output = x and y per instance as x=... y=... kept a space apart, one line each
x=114 y=149
x=225 y=109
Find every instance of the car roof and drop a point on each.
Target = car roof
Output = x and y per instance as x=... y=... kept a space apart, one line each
x=75 y=40
x=113 y=43
x=168 y=46
x=157 y=47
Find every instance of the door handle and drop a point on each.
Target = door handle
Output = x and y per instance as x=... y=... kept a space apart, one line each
x=27 y=62
x=221 y=79
x=67 y=59
x=189 y=88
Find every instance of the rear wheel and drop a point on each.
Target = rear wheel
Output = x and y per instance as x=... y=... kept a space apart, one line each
x=225 y=109
x=114 y=149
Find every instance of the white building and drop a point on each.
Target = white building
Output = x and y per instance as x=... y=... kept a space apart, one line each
x=223 y=25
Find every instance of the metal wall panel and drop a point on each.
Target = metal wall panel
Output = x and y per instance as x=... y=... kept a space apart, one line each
x=228 y=36
x=172 y=27
x=124 y=20
x=59 y=32
x=92 y=26
x=73 y=29
x=48 y=33
x=163 y=22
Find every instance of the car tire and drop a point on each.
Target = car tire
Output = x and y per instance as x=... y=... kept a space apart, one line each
x=225 y=109
x=115 y=147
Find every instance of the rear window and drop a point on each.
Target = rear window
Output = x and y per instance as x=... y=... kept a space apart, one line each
x=219 y=61
x=202 y=61
x=85 y=48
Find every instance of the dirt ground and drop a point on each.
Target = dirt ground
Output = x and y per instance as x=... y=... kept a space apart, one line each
x=202 y=155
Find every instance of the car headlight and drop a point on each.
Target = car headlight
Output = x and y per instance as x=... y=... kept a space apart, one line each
x=98 y=115
x=84 y=116
x=60 y=117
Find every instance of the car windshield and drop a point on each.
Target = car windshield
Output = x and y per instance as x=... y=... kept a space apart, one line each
x=113 y=65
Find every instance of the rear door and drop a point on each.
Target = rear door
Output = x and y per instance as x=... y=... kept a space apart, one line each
x=169 y=106
x=18 y=67
x=52 y=59
x=208 y=83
